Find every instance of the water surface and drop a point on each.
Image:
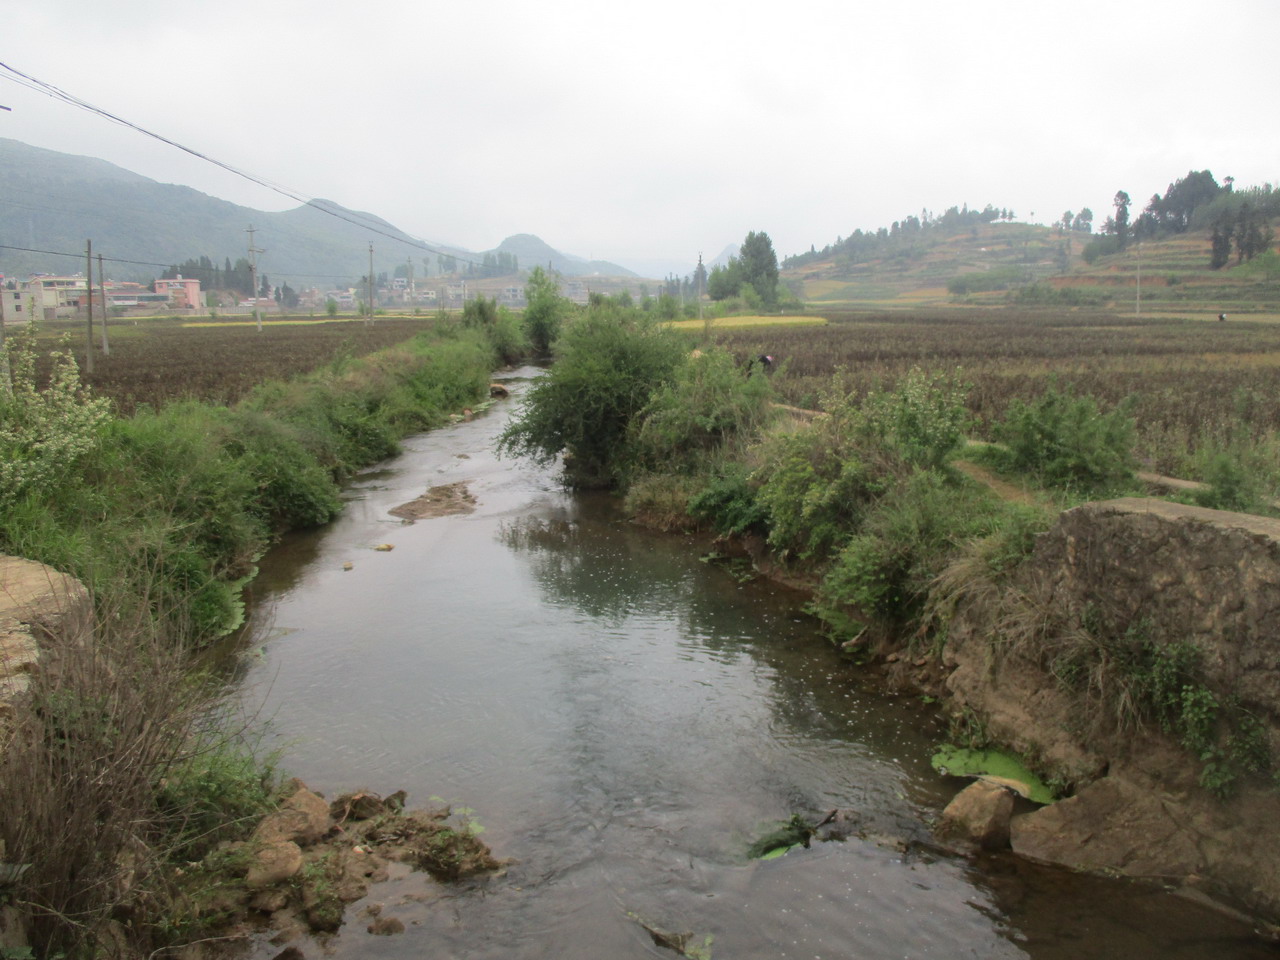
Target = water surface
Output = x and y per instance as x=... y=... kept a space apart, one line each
x=624 y=719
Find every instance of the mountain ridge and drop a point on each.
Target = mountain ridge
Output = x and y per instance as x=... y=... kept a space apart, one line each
x=50 y=202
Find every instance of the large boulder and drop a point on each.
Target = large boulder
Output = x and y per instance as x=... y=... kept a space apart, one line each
x=978 y=815
x=273 y=863
x=303 y=819
x=38 y=605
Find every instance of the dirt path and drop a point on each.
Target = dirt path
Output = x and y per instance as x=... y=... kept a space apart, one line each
x=1002 y=488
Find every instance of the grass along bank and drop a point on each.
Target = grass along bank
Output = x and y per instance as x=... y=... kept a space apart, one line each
x=118 y=774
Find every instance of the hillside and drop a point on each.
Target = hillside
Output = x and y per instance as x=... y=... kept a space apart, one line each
x=918 y=270
x=1010 y=257
x=53 y=201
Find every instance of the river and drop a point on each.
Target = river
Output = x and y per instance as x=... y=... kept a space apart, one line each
x=624 y=719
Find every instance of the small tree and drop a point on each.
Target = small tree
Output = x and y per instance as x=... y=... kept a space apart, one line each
x=1120 y=223
x=610 y=362
x=759 y=266
x=544 y=311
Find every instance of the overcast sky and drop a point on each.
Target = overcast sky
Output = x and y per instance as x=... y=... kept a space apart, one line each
x=659 y=129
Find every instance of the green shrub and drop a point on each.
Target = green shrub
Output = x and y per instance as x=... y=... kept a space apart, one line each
x=729 y=502
x=814 y=488
x=1231 y=485
x=1067 y=441
x=660 y=501
x=214 y=792
x=707 y=405
x=499 y=325
x=611 y=361
x=43 y=433
x=924 y=417
x=544 y=313
x=886 y=570
x=292 y=489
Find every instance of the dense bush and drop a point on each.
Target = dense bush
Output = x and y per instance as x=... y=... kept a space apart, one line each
x=885 y=571
x=729 y=502
x=43 y=433
x=814 y=487
x=707 y=404
x=611 y=361
x=500 y=326
x=924 y=418
x=1067 y=441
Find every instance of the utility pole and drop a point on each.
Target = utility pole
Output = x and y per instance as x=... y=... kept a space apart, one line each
x=88 y=302
x=369 y=319
x=102 y=298
x=253 y=275
x=1137 y=298
x=6 y=380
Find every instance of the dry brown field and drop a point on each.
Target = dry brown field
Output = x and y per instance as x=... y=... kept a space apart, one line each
x=1195 y=381
x=159 y=361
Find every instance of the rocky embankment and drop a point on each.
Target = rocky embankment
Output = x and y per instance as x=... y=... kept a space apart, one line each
x=1113 y=575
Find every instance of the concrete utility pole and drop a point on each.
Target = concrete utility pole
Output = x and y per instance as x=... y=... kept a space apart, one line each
x=88 y=302
x=102 y=298
x=253 y=275
x=6 y=380
x=370 y=317
x=1137 y=297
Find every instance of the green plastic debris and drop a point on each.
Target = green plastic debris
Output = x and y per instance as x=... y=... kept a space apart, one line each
x=993 y=767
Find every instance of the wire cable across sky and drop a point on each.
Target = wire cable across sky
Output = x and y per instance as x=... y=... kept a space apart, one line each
x=57 y=93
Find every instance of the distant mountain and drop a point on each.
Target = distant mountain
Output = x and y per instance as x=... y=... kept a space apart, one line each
x=52 y=201
x=725 y=255
x=533 y=252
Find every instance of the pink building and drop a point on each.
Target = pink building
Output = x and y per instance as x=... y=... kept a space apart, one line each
x=181 y=293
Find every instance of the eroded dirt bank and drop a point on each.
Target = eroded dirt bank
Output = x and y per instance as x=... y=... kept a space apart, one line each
x=1054 y=664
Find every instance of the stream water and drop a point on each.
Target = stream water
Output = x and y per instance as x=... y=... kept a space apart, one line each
x=624 y=720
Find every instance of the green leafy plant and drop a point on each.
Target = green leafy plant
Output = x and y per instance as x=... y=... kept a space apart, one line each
x=1068 y=441
x=45 y=433
x=924 y=417
x=729 y=502
x=612 y=360
x=707 y=405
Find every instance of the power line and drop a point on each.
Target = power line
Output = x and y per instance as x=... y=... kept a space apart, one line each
x=48 y=89
x=58 y=253
x=166 y=266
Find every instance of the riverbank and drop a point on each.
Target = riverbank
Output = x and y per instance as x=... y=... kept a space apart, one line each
x=119 y=764
x=1136 y=801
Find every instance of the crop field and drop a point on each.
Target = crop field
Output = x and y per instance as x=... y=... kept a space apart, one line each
x=738 y=322
x=1194 y=381
x=159 y=361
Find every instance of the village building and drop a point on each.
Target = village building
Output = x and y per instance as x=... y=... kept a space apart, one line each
x=53 y=297
x=181 y=294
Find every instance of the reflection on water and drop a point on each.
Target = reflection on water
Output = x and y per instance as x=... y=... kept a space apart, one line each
x=625 y=721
